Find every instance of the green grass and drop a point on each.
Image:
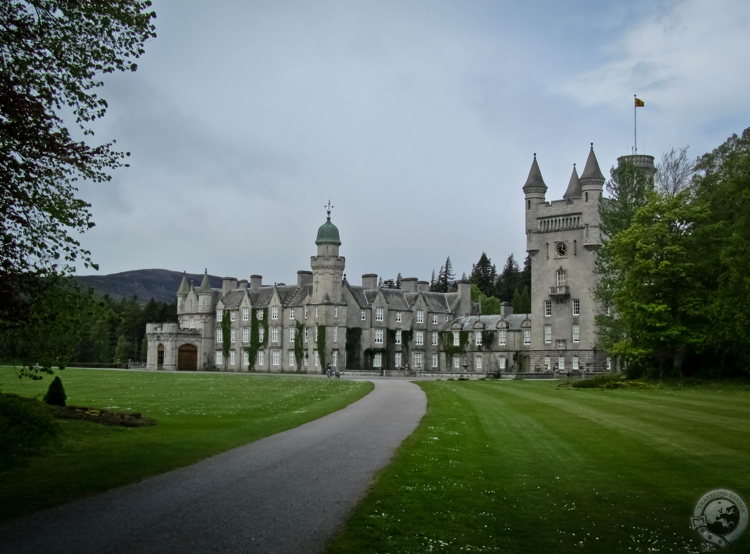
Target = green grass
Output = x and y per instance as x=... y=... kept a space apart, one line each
x=198 y=415
x=527 y=467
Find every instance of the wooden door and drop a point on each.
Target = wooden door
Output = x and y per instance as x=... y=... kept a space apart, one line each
x=187 y=358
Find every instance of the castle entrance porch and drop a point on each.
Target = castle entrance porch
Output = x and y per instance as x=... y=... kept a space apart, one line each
x=187 y=358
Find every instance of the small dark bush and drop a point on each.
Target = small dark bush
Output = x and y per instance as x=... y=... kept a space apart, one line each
x=56 y=393
x=25 y=425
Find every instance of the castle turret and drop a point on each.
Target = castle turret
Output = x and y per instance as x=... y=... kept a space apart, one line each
x=534 y=190
x=205 y=295
x=574 y=186
x=592 y=180
x=184 y=288
x=327 y=266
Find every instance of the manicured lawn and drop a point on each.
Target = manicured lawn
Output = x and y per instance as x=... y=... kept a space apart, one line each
x=198 y=415
x=526 y=467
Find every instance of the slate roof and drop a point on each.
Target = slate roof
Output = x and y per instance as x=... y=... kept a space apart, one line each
x=370 y=295
x=534 y=181
x=395 y=299
x=574 y=186
x=358 y=293
x=261 y=297
x=592 y=171
x=437 y=302
x=233 y=299
x=298 y=296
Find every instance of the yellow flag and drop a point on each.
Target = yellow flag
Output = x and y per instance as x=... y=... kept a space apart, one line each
x=639 y=103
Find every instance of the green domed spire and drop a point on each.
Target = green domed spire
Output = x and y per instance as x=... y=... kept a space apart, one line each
x=328 y=233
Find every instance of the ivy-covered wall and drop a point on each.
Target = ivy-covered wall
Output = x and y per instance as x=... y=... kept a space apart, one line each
x=255 y=342
x=354 y=348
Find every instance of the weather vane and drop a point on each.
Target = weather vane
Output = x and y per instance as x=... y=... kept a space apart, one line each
x=328 y=209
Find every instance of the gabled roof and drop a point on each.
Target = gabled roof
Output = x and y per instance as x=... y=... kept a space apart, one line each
x=233 y=299
x=205 y=284
x=574 y=186
x=592 y=171
x=261 y=297
x=395 y=299
x=370 y=295
x=534 y=181
x=411 y=298
x=437 y=302
x=358 y=293
x=184 y=288
x=298 y=295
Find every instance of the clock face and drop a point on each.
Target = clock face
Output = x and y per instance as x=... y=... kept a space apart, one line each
x=561 y=249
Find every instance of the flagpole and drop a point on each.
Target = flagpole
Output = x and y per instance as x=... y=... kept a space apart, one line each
x=635 y=124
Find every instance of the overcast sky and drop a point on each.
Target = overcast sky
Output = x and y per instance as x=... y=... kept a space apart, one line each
x=417 y=119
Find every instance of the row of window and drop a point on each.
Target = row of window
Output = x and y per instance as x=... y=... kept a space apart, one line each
x=575 y=366
x=501 y=337
x=275 y=358
x=576 y=331
x=548 y=308
x=275 y=333
x=379 y=312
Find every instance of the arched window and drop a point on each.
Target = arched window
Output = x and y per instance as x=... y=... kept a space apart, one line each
x=562 y=278
x=160 y=357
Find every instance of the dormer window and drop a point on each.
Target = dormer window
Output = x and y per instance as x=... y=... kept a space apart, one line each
x=398 y=317
x=378 y=314
x=420 y=316
x=274 y=312
x=218 y=315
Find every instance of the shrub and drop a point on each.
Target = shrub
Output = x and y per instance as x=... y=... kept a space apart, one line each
x=56 y=393
x=25 y=425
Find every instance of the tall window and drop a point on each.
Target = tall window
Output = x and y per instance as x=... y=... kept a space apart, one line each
x=245 y=314
x=456 y=338
x=576 y=333
x=245 y=357
x=479 y=362
x=561 y=362
x=527 y=337
x=259 y=315
x=219 y=358
x=547 y=363
x=501 y=337
x=218 y=315
x=576 y=307
x=192 y=323
x=276 y=357
x=335 y=334
x=232 y=357
x=575 y=363
x=397 y=359
x=219 y=336
x=609 y=364
x=434 y=360
x=456 y=361
x=316 y=311
x=307 y=333
x=377 y=360
x=502 y=361
x=417 y=360
x=275 y=314
x=548 y=334
x=478 y=338
x=291 y=334
x=245 y=335
x=378 y=336
x=305 y=312
x=233 y=335
x=363 y=315
x=548 y=308
x=434 y=319
x=419 y=338
x=232 y=315
x=315 y=358
x=335 y=311
x=398 y=337
x=420 y=316
x=291 y=358
x=562 y=278
x=275 y=335
x=334 y=358
x=378 y=314
x=261 y=334
x=434 y=338
x=261 y=358
x=291 y=313
x=398 y=317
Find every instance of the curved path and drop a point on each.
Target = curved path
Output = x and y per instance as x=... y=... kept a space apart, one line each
x=286 y=493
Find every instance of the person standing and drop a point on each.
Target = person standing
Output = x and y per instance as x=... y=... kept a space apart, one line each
x=329 y=372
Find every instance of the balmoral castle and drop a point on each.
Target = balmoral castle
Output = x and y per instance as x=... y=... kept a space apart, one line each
x=324 y=318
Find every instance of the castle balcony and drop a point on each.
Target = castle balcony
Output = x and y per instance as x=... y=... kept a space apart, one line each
x=559 y=292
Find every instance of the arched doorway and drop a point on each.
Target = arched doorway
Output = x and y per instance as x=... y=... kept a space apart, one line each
x=187 y=358
x=160 y=357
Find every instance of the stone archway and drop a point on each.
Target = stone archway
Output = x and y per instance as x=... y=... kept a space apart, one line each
x=160 y=357
x=187 y=358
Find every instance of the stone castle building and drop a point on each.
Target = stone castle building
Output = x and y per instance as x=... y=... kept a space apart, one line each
x=323 y=318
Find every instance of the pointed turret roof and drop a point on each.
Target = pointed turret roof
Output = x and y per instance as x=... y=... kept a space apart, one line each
x=574 y=186
x=184 y=288
x=205 y=284
x=592 y=171
x=534 y=180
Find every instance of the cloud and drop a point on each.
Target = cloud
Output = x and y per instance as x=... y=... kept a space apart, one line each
x=689 y=60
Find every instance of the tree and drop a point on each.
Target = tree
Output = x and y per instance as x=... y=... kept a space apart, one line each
x=56 y=393
x=509 y=278
x=389 y=284
x=490 y=305
x=674 y=172
x=522 y=300
x=398 y=281
x=52 y=54
x=483 y=275
x=432 y=281
x=445 y=276
x=122 y=350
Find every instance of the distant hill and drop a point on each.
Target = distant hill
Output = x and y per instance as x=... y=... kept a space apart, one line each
x=159 y=284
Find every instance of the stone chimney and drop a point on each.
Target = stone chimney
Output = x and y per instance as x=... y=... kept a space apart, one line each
x=242 y=284
x=506 y=309
x=409 y=284
x=304 y=278
x=370 y=281
x=256 y=281
x=463 y=307
x=423 y=286
x=227 y=284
